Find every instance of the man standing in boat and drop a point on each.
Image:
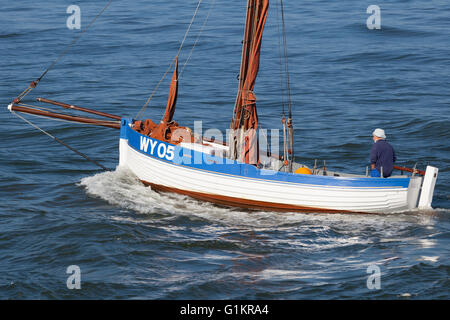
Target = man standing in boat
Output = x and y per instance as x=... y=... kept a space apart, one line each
x=382 y=155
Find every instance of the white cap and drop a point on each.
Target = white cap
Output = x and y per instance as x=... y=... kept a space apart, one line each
x=379 y=133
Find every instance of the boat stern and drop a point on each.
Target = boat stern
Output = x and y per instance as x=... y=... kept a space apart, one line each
x=421 y=189
x=429 y=181
x=415 y=184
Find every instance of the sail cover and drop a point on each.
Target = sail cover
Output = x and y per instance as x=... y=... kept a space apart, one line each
x=245 y=117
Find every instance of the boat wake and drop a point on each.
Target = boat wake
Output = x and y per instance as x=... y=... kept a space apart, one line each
x=123 y=189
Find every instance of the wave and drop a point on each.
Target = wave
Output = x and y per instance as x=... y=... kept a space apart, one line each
x=11 y=35
x=123 y=189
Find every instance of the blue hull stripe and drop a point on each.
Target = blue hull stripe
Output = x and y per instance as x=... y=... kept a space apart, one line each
x=195 y=160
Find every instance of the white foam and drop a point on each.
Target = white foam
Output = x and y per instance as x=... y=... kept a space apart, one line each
x=429 y=258
x=123 y=189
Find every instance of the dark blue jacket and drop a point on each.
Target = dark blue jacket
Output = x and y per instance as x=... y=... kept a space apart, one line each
x=383 y=155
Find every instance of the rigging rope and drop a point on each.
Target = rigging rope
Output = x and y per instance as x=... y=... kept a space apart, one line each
x=61 y=142
x=75 y=40
x=288 y=130
x=198 y=37
x=286 y=60
x=289 y=135
x=283 y=119
x=141 y=112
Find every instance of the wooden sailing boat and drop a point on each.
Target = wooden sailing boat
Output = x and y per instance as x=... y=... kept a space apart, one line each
x=170 y=158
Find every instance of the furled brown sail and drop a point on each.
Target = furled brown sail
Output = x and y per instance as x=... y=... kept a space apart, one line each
x=244 y=143
x=173 y=94
x=167 y=130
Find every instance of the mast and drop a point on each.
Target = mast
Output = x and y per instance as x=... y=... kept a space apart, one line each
x=243 y=138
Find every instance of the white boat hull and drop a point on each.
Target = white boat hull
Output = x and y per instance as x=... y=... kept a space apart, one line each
x=263 y=193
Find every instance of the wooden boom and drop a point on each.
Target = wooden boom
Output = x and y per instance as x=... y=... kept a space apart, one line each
x=97 y=122
x=71 y=106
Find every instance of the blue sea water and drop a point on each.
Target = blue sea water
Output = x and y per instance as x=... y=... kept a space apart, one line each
x=58 y=210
